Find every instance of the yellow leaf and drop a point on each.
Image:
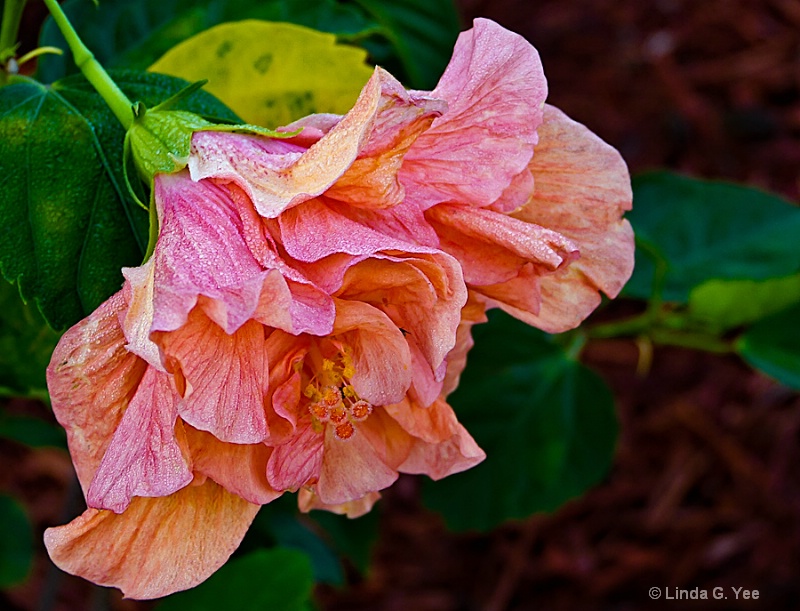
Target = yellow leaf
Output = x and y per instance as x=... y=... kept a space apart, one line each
x=271 y=74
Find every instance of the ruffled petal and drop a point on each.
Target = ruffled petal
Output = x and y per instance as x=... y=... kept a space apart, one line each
x=495 y=88
x=582 y=190
x=307 y=500
x=442 y=446
x=381 y=357
x=277 y=182
x=350 y=470
x=144 y=457
x=472 y=313
x=157 y=546
x=92 y=379
x=239 y=468
x=201 y=251
x=298 y=462
x=226 y=377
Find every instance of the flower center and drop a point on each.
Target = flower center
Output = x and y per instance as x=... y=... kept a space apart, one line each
x=333 y=399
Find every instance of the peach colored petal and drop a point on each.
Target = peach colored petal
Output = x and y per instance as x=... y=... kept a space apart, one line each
x=308 y=500
x=239 y=468
x=226 y=377
x=472 y=313
x=351 y=469
x=157 y=546
x=92 y=379
x=494 y=87
x=442 y=447
x=275 y=183
x=144 y=457
x=582 y=190
x=138 y=318
x=371 y=181
x=422 y=294
x=381 y=356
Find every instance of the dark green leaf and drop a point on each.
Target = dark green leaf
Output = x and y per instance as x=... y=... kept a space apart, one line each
x=706 y=230
x=135 y=33
x=32 y=432
x=280 y=522
x=773 y=346
x=546 y=422
x=266 y=580
x=353 y=538
x=68 y=223
x=26 y=343
x=422 y=33
x=16 y=542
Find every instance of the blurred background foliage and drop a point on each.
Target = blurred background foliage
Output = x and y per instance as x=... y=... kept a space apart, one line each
x=718 y=272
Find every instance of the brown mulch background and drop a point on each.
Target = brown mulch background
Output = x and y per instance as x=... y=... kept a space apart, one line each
x=705 y=490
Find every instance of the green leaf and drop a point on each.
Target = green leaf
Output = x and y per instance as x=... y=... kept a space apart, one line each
x=724 y=304
x=546 y=422
x=68 y=222
x=422 y=33
x=16 y=542
x=773 y=346
x=266 y=580
x=705 y=230
x=26 y=343
x=279 y=523
x=134 y=33
x=271 y=74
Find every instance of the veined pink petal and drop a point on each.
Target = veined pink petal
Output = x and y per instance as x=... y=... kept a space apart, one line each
x=296 y=463
x=157 y=546
x=495 y=88
x=493 y=247
x=582 y=190
x=201 y=251
x=226 y=377
x=308 y=500
x=138 y=318
x=239 y=468
x=350 y=470
x=442 y=447
x=277 y=184
x=92 y=379
x=144 y=457
x=321 y=228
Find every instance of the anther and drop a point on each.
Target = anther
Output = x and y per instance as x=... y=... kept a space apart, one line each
x=360 y=410
x=344 y=431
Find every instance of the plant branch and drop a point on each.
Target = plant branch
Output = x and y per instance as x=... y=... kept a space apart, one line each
x=117 y=101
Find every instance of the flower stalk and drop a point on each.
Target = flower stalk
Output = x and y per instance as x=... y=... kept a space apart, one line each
x=117 y=101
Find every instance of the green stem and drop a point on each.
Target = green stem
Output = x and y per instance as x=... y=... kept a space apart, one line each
x=12 y=16
x=117 y=101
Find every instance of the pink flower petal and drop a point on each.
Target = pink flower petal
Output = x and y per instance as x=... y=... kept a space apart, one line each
x=157 y=546
x=144 y=457
x=201 y=251
x=298 y=462
x=582 y=190
x=92 y=379
x=495 y=88
x=226 y=377
x=472 y=313
x=308 y=500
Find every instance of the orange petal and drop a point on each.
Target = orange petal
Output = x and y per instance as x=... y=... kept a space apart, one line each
x=240 y=468
x=582 y=190
x=157 y=546
x=308 y=500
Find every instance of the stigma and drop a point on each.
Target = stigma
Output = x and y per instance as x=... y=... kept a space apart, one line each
x=332 y=399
